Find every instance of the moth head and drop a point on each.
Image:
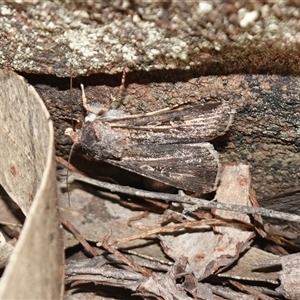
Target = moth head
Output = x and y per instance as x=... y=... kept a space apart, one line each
x=74 y=135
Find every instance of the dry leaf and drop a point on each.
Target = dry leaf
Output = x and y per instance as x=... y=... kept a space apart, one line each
x=5 y=251
x=207 y=251
x=289 y=276
x=35 y=268
x=245 y=268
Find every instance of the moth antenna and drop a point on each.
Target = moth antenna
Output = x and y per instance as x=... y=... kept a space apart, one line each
x=73 y=127
x=67 y=177
x=89 y=109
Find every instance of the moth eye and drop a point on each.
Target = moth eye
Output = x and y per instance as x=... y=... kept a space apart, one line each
x=78 y=126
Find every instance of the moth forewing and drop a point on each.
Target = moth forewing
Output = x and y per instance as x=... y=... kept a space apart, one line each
x=186 y=124
x=192 y=167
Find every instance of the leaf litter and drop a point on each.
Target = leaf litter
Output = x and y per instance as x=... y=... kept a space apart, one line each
x=156 y=251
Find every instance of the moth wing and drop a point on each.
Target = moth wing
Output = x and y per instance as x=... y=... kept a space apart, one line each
x=191 y=124
x=191 y=167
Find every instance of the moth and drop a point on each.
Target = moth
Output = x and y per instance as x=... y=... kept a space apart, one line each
x=169 y=145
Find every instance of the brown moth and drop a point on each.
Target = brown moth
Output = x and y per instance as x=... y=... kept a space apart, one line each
x=169 y=145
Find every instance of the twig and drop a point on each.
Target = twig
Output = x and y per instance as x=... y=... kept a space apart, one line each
x=197 y=202
x=252 y=291
x=67 y=224
x=145 y=272
x=67 y=165
x=164 y=229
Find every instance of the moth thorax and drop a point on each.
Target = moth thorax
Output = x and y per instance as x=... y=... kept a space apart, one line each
x=102 y=141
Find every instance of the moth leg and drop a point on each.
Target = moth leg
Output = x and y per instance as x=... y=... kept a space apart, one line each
x=121 y=88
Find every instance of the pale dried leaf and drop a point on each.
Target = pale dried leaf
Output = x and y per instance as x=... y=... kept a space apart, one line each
x=207 y=251
x=234 y=188
x=35 y=268
x=24 y=125
x=10 y=213
x=162 y=287
x=290 y=276
x=5 y=251
x=245 y=268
